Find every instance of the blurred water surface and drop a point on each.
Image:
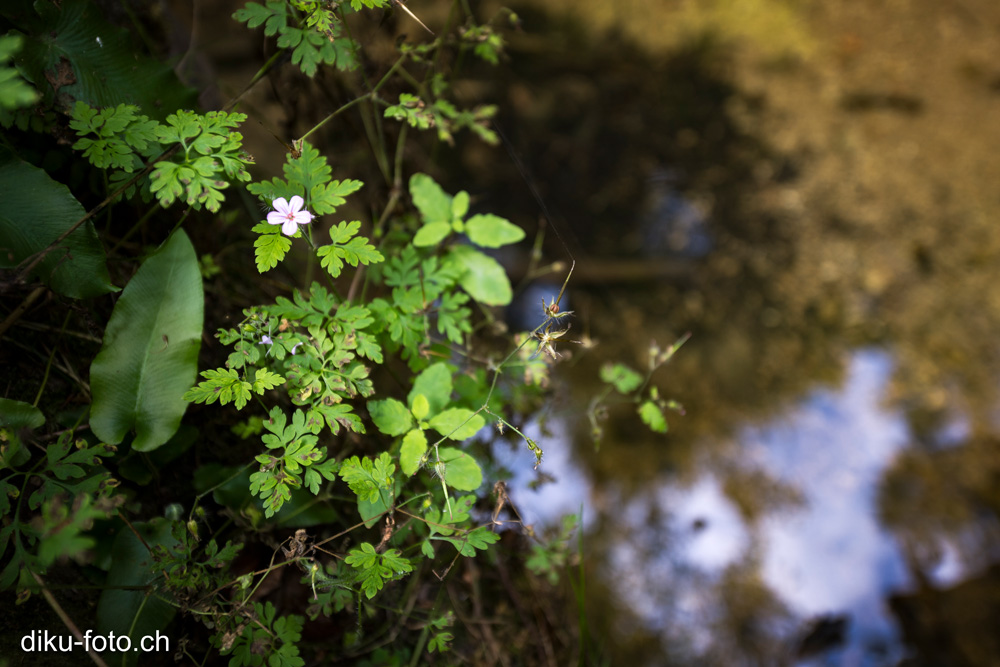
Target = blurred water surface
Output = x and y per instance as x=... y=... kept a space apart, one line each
x=813 y=190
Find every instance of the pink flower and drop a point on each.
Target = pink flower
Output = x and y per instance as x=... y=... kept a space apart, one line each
x=289 y=215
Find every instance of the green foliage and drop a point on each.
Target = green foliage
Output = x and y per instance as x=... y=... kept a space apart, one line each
x=308 y=176
x=550 y=557
x=294 y=460
x=346 y=247
x=478 y=274
x=624 y=379
x=649 y=406
x=118 y=133
x=368 y=479
x=652 y=416
x=149 y=356
x=49 y=518
x=126 y=606
x=486 y=42
x=375 y=569
x=210 y=157
x=72 y=53
x=18 y=414
x=35 y=211
x=267 y=636
x=225 y=386
x=440 y=640
x=443 y=116
x=200 y=154
x=315 y=38
x=15 y=92
x=399 y=333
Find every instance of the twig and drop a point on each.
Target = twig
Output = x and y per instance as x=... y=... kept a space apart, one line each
x=67 y=621
x=15 y=315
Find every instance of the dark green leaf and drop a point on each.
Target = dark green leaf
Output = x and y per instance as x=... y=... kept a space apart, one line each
x=34 y=211
x=149 y=357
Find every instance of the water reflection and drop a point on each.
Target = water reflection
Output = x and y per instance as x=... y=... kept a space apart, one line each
x=831 y=188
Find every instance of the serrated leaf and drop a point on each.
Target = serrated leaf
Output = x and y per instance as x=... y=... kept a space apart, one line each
x=346 y=249
x=492 y=231
x=390 y=416
x=461 y=470
x=457 y=423
x=271 y=246
x=149 y=357
x=412 y=451
x=265 y=380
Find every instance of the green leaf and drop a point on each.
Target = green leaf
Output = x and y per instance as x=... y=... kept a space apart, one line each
x=125 y=607
x=346 y=249
x=478 y=538
x=624 y=379
x=390 y=416
x=453 y=317
x=274 y=14
x=461 y=470
x=14 y=91
x=431 y=234
x=34 y=211
x=434 y=383
x=457 y=423
x=223 y=385
x=412 y=451
x=271 y=246
x=460 y=205
x=72 y=46
x=482 y=276
x=149 y=357
x=492 y=231
x=652 y=416
x=420 y=407
x=432 y=202
x=18 y=414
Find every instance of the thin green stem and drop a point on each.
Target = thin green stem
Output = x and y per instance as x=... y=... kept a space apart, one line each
x=48 y=365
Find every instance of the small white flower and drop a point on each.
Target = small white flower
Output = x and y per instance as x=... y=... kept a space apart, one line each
x=266 y=340
x=289 y=215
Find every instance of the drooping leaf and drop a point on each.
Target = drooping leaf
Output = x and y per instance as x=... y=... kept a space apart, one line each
x=34 y=211
x=149 y=357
